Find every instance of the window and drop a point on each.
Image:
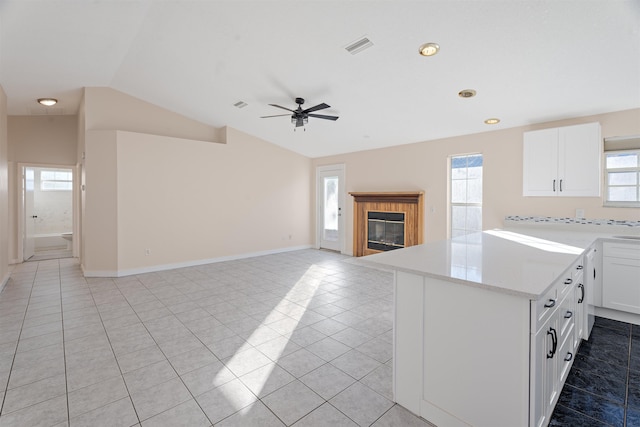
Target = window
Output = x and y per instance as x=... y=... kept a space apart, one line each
x=466 y=194
x=622 y=178
x=55 y=180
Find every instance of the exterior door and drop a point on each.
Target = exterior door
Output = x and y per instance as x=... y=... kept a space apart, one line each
x=28 y=181
x=330 y=182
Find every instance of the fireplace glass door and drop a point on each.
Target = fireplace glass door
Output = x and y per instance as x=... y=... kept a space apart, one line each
x=385 y=230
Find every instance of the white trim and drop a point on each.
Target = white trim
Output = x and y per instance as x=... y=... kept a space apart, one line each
x=164 y=267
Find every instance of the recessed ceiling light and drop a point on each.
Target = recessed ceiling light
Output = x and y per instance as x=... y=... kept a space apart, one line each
x=492 y=121
x=47 y=102
x=467 y=93
x=429 y=49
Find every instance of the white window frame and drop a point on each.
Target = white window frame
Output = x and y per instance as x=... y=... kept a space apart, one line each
x=615 y=203
x=467 y=204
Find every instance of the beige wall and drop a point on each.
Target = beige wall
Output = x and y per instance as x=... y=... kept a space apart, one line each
x=183 y=197
x=108 y=109
x=99 y=224
x=42 y=140
x=4 y=192
x=50 y=140
x=188 y=200
x=423 y=166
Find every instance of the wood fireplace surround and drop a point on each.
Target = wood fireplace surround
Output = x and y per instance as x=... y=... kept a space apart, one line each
x=409 y=203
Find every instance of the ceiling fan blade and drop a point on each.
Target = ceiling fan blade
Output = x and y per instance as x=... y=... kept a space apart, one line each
x=322 y=116
x=277 y=115
x=280 y=106
x=316 y=108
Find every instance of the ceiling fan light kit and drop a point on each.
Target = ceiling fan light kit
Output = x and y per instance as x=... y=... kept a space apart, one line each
x=300 y=117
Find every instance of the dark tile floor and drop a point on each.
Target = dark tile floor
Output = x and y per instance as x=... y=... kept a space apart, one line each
x=603 y=387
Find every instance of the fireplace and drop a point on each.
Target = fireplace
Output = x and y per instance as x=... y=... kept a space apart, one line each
x=386 y=221
x=385 y=230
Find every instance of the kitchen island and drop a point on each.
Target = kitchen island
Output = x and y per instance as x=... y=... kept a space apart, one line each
x=486 y=325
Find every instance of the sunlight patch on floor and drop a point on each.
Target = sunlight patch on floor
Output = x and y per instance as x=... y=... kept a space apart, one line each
x=307 y=285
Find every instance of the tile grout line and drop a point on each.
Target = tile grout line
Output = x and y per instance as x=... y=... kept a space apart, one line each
x=64 y=353
x=106 y=333
x=15 y=351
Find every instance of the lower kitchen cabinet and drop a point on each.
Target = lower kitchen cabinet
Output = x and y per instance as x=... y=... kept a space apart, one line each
x=554 y=342
x=466 y=356
x=621 y=276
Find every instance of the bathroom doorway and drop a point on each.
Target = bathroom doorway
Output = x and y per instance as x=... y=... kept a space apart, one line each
x=47 y=212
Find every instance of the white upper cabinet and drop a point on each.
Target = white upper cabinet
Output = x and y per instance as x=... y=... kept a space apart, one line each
x=563 y=161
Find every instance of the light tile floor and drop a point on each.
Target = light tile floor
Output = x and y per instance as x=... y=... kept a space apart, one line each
x=301 y=338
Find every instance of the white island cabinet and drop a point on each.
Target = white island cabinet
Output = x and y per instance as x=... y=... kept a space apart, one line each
x=484 y=328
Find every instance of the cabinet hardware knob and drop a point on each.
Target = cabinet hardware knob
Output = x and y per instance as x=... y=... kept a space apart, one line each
x=568 y=357
x=568 y=314
x=568 y=281
x=550 y=304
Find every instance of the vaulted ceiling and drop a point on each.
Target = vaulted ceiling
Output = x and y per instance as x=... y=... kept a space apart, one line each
x=528 y=61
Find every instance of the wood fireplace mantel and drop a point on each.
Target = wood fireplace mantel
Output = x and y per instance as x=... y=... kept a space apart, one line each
x=411 y=203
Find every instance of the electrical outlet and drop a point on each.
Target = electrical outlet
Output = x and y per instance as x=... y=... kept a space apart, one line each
x=147 y=251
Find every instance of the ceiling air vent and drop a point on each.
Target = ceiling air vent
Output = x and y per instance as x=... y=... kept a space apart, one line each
x=359 y=45
x=240 y=104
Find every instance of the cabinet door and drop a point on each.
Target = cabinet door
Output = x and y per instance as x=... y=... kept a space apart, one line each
x=540 y=163
x=620 y=287
x=545 y=384
x=579 y=160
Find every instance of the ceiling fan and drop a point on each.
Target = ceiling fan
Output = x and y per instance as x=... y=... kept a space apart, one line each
x=300 y=117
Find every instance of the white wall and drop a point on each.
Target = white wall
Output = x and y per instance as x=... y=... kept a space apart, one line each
x=423 y=166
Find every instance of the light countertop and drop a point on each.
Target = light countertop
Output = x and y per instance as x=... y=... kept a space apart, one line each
x=522 y=261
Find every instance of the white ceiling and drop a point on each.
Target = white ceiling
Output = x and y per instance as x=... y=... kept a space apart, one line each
x=529 y=61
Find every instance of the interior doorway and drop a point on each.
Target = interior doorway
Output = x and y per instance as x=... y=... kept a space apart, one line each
x=331 y=195
x=47 y=217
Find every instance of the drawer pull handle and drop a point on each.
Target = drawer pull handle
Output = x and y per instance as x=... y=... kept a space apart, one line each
x=579 y=267
x=554 y=342
x=568 y=357
x=568 y=281
x=581 y=286
x=550 y=304
x=568 y=315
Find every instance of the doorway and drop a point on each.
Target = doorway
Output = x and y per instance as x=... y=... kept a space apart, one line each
x=331 y=195
x=47 y=216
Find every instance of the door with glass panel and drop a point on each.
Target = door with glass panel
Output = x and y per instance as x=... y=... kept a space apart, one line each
x=330 y=207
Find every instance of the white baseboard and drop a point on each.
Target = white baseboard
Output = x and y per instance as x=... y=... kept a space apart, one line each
x=620 y=316
x=163 y=267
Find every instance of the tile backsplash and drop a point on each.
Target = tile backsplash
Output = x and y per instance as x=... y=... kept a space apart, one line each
x=583 y=221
